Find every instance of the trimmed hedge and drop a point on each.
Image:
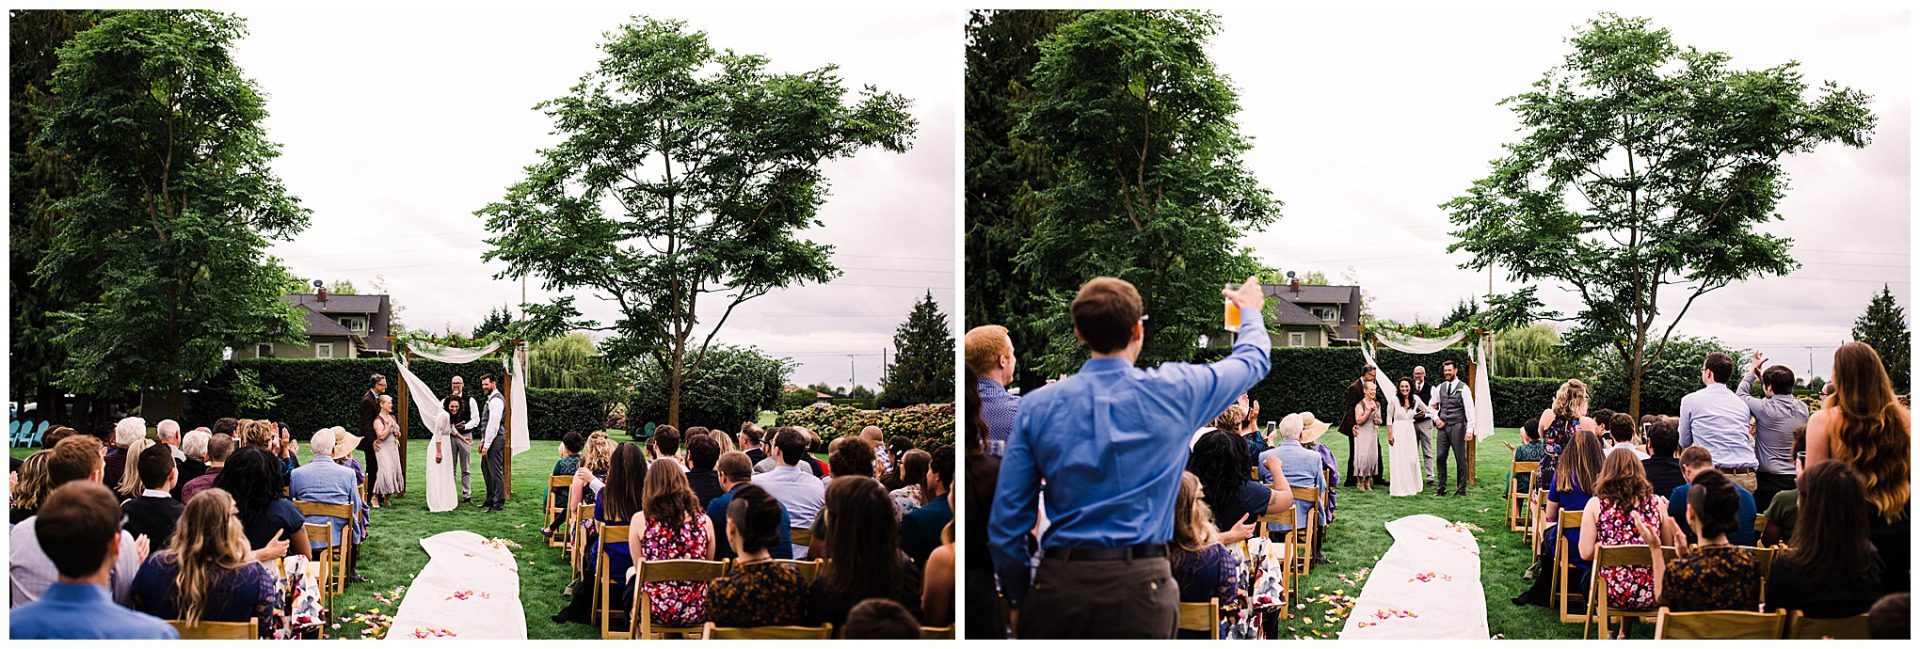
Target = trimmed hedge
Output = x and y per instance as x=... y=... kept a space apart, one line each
x=318 y=393
x=929 y=426
x=1315 y=379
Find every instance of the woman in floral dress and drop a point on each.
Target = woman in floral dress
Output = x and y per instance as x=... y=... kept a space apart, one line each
x=1622 y=498
x=1557 y=424
x=671 y=526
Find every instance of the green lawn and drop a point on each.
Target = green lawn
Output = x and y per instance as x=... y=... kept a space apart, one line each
x=1358 y=538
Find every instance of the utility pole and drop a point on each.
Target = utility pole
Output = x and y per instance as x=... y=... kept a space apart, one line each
x=883 y=365
x=853 y=378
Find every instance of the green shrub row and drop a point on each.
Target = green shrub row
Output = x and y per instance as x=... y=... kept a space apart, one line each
x=318 y=393
x=929 y=426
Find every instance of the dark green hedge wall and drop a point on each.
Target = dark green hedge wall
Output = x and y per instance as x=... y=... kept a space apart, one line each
x=1315 y=379
x=316 y=394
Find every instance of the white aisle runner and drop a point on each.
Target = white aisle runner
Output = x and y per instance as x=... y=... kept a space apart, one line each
x=470 y=590
x=1426 y=587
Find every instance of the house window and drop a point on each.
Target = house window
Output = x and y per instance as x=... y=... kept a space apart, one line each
x=1328 y=315
x=354 y=323
x=263 y=350
x=1296 y=339
x=323 y=350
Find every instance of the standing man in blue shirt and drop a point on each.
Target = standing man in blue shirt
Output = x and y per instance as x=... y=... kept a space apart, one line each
x=990 y=355
x=79 y=526
x=1108 y=446
x=1715 y=418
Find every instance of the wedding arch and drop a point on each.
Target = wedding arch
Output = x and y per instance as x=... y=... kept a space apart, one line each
x=512 y=387
x=1478 y=381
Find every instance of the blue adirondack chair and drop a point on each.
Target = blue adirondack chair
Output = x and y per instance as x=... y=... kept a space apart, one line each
x=14 y=436
x=40 y=433
x=646 y=433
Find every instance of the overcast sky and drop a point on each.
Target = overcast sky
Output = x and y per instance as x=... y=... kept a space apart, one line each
x=398 y=123
x=1364 y=119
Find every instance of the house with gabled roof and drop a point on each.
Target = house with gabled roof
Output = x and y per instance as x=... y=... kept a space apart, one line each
x=337 y=326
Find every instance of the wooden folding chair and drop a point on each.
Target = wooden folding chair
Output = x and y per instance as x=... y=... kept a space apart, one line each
x=1759 y=525
x=809 y=569
x=1302 y=540
x=1719 y=625
x=1562 y=564
x=555 y=505
x=205 y=630
x=576 y=541
x=1765 y=557
x=604 y=582
x=1607 y=556
x=800 y=536
x=668 y=570
x=1285 y=548
x=936 y=632
x=822 y=632
x=1203 y=617
x=1801 y=627
x=338 y=555
x=1516 y=498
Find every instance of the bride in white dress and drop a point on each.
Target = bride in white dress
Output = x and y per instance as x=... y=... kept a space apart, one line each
x=442 y=493
x=1402 y=444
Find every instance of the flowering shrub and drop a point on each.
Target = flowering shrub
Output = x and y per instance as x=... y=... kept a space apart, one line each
x=929 y=426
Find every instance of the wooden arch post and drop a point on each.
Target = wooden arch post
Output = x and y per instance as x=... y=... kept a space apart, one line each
x=506 y=417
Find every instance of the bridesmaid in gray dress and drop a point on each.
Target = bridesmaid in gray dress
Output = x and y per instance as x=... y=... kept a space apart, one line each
x=1366 y=439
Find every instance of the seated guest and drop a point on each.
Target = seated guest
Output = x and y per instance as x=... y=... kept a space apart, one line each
x=849 y=456
x=920 y=530
x=1580 y=462
x=326 y=481
x=153 y=512
x=1202 y=567
x=29 y=487
x=121 y=435
x=1714 y=575
x=81 y=529
x=31 y=570
x=1783 y=512
x=167 y=432
x=756 y=591
x=252 y=478
x=1693 y=461
x=1662 y=468
x=865 y=550
x=897 y=448
x=1865 y=425
x=194 y=446
x=913 y=471
x=876 y=440
x=129 y=480
x=798 y=491
x=880 y=619
x=1220 y=460
x=936 y=594
x=702 y=453
x=736 y=474
x=1621 y=498
x=750 y=437
x=219 y=447
x=567 y=465
x=665 y=445
x=723 y=439
x=285 y=448
x=207 y=573
x=1300 y=466
x=1620 y=432
x=1831 y=570
x=1530 y=450
x=1891 y=617
x=619 y=502
x=670 y=525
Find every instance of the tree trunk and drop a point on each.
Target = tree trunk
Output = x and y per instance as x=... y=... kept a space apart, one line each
x=1633 y=393
x=674 y=382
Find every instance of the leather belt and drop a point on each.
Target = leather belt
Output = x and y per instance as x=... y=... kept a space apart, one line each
x=1729 y=470
x=1142 y=551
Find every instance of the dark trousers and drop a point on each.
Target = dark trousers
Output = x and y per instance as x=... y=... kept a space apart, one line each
x=1452 y=439
x=1102 y=599
x=1770 y=484
x=493 y=470
x=372 y=463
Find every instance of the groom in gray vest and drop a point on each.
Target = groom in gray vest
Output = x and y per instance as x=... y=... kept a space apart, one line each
x=1455 y=404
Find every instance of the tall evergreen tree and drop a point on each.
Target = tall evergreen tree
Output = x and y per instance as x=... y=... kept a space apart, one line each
x=496 y=321
x=923 y=372
x=1884 y=327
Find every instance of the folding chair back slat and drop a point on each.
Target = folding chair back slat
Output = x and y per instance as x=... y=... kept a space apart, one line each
x=1563 y=563
x=1719 y=625
x=1202 y=617
x=1516 y=499
x=809 y=569
x=822 y=632
x=1609 y=556
x=936 y=632
x=248 y=630
x=668 y=570
x=1801 y=627
x=604 y=582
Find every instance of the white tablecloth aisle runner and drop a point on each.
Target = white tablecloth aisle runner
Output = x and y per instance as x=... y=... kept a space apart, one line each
x=470 y=590
x=1426 y=587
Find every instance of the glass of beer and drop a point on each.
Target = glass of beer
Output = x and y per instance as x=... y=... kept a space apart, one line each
x=1233 y=311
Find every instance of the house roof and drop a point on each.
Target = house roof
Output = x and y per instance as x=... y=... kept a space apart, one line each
x=1288 y=313
x=1347 y=297
x=375 y=307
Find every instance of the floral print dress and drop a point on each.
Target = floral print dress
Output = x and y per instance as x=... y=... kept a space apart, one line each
x=675 y=603
x=1555 y=437
x=1629 y=588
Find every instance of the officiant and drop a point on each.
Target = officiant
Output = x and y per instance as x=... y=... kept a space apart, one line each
x=464 y=423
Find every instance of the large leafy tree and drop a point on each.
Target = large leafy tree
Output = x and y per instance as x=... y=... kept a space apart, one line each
x=38 y=179
x=1663 y=382
x=1005 y=172
x=732 y=387
x=1884 y=327
x=683 y=178
x=922 y=372
x=1644 y=174
x=172 y=220
x=1150 y=183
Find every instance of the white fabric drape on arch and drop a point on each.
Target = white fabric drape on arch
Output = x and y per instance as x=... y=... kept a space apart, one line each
x=454 y=355
x=517 y=388
x=1477 y=353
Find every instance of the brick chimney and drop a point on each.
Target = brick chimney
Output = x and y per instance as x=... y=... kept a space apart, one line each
x=320 y=294
x=1294 y=285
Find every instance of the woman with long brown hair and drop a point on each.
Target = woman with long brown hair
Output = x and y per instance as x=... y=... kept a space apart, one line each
x=207 y=572
x=1864 y=425
x=1558 y=423
x=1621 y=499
x=31 y=487
x=619 y=501
x=864 y=543
x=1202 y=567
x=672 y=526
x=1578 y=471
x=1831 y=570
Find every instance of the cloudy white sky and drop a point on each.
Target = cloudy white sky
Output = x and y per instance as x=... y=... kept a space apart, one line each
x=1365 y=118
x=398 y=122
